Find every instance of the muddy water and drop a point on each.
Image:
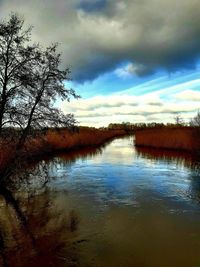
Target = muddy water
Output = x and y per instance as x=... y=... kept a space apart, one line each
x=110 y=207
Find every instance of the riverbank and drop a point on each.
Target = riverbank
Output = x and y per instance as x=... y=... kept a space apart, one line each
x=179 y=138
x=55 y=140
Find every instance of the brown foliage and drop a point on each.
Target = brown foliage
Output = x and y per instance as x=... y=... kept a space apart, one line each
x=86 y=137
x=56 y=140
x=181 y=138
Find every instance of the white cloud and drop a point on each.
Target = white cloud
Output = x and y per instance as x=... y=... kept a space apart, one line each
x=102 y=110
x=189 y=95
x=100 y=101
x=131 y=69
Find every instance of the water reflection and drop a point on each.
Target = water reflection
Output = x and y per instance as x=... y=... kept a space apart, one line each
x=32 y=227
x=181 y=158
x=113 y=206
x=34 y=230
x=37 y=232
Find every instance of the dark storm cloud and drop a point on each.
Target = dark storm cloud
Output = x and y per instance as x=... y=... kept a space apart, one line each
x=96 y=36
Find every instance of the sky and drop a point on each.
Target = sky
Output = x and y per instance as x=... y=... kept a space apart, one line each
x=130 y=60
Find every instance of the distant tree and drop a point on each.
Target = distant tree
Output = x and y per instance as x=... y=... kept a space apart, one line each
x=196 y=120
x=125 y=125
x=178 y=119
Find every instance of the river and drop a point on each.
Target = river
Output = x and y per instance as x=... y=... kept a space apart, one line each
x=115 y=206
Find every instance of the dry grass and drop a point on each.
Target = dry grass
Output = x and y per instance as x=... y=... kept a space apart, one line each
x=57 y=140
x=182 y=138
x=66 y=140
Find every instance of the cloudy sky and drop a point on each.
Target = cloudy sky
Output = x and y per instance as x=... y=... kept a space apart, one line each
x=131 y=60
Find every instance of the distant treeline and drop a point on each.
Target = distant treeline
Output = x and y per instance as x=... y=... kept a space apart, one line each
x=139 y=126
x=178 y=122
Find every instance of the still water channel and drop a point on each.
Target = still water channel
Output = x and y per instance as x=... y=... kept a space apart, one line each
x=116 y=206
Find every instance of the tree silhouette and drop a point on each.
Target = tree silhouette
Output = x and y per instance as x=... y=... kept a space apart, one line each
x=30 y=81
x=16 y=58
x=35 y=109
x=196 y=120
x=178 y=119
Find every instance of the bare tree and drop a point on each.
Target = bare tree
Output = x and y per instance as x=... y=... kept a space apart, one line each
x=30 y=82
x=178 y=119
x=196 y=120
x=36 y=109
x=16 y=59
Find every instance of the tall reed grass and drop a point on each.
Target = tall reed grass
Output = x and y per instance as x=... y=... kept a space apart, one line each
x=181 y=138
x=57 y=140
x=85 y=137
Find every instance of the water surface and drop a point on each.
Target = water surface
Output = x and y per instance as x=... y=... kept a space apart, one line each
x=109 y=207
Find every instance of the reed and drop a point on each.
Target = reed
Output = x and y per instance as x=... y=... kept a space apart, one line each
x=57 y=140
x=66 y=140
x=180 y=138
